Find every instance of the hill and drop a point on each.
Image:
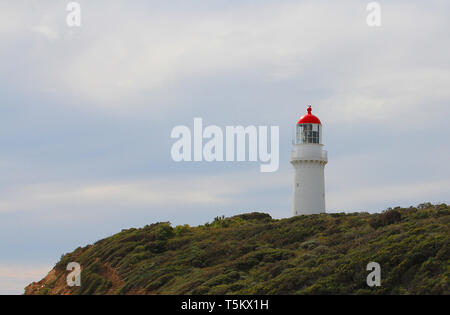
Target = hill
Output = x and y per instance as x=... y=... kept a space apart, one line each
x=255 y=254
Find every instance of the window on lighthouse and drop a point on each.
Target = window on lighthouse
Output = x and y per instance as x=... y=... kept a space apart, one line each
x=308 y=133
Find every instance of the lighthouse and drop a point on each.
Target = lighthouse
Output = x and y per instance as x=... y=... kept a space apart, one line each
x=309 y=159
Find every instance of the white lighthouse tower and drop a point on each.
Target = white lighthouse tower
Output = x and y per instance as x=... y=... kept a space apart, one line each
x=308 y=159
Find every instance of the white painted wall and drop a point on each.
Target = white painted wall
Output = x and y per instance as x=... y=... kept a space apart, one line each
x=309 y=180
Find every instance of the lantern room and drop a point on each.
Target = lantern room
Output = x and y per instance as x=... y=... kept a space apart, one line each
x=309 y=129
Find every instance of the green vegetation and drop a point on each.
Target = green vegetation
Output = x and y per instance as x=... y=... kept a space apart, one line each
x=255 y=254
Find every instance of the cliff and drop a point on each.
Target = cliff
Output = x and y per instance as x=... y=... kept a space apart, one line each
x=255 y=254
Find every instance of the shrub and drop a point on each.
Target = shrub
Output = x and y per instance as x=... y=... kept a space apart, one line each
x=386 y=218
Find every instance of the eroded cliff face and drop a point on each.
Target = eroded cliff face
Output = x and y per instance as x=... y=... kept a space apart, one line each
x=36 y=287
x=55 y=283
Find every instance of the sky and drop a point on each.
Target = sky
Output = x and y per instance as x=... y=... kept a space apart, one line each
x=86 y=113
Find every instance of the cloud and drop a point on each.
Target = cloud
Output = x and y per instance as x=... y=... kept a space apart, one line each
x=398 y=99
x=106 y=197
x=46 y=31
x=15 y=277
x=385 y=177
x=398 y=194
x=123 y=57
x=147 y=54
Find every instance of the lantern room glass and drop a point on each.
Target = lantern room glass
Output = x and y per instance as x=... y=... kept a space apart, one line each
x=308 y=133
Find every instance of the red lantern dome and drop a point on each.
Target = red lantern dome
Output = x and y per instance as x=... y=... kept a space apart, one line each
x=309 y=118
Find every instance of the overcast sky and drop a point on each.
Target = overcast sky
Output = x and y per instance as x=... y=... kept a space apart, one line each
x=86 y=113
